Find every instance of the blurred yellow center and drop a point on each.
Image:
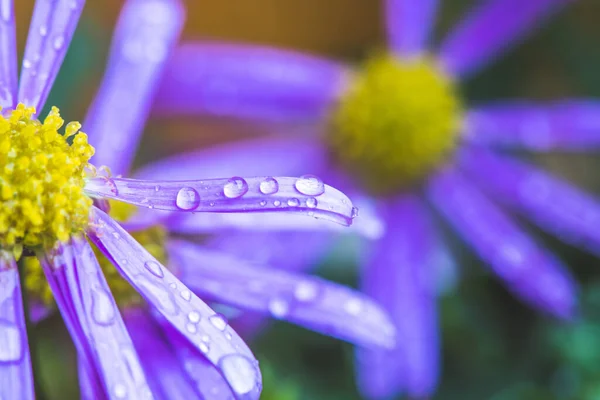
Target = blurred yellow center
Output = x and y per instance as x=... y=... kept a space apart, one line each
x=396 y=123
x=41 y=180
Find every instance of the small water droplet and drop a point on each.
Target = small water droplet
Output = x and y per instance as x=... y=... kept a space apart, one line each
x=194 y=317
x=205 y=339
x=43 y=30
x=269 y=186
x=293 y=202
x=306 y=291
x=311 y=202
x=310 y=185
x=173 y=285
x=228 y=336
x=12 y=346
x=203 y=347
x=354 y=212
x=154 y=268
x=191 y=328
x=58 y=42
x=263 y=203
x=120 y=391
x=186 y=295
x=240 y=372
x=26 y=64
x=187 y=199
x=103 y=309
x=279 y=308
x=218 y=321
x=157 y=188
x=276 y=203
x=353 y=306
x=235 y=187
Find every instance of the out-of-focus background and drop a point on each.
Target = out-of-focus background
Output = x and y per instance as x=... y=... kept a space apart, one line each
x=493 y=347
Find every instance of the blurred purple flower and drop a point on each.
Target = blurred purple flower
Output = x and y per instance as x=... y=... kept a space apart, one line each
x=276 y=85
x=177 y=347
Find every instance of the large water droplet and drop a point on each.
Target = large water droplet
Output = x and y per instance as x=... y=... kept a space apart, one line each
x=187 y=199
x=154 y=268
x=269 y=186
x=310 y=185
x=218 y=321
x=194 y=317
x=235 y=187
x=103 y=309
x=11 y=349
x=240 y=372
x=279 y=308
x=306 y=291
x=158 y=296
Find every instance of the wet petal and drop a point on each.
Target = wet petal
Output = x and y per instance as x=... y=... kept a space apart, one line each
x=146 y=33
x=489 y=29
x=530 y=271
x=50 y=33
x=410 y=24
x=567 y=125
x=167 y=376
x=305 y=195
x=248 y=81
x=399 y=275
x=89 y=385
x=313 y=303
x=93 y=319
x=16 y=379
x=183 y=309
x=553 y=204
x=8 y=55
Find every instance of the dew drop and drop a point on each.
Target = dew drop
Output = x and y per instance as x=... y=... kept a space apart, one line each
x=103 y=309
x=310 y=185
x=354 y=212
x=191 y=328
x=173 y=285
x=311 y=202
x=228 y=336
x=353 y=306
x=157 y=188
x=12 y=346
x=58 y=42
x=306 y=291
x=269 y=186
x=240 y=372
x=235 y=187
x=203 y=347
x=279 y=308
x=154 y=268
x=157 y=295
x=27 y=64
x=187 y=199
x=194 y=317
x=43 y=30
x=186 y=295
x=218 y=321
x=276 y=203
x=263 y=203
x=293 y=202
x=120 y=391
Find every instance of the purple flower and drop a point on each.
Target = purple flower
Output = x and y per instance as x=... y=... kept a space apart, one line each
x=171 y=345
x=397 y=135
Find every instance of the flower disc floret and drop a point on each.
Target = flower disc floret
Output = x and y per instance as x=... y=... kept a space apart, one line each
x=398 y=120
x=41 y=179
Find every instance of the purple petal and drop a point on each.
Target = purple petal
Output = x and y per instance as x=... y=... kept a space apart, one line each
x=567 y=125
x=399 y=276
x=205 y=329
x=530 y=271
x=248 y=81
x=50 y=33
x=8 y=55
x=207 y=379
x=89 y=385
x=146 y=33
x=167 y=376
x=301 y=299
x=16 y=379
x=409 y=25
x=552 y=203
x=305 y=195
x=93 y=319
x=490 y=28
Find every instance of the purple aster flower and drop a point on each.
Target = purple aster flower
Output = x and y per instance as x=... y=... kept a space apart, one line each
x=397 y=134
x=54 y=203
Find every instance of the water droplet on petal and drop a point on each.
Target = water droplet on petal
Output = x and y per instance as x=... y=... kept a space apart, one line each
x=12 y=346
x=157 y=295
x=269 y=186
x=218 y=321
x=43 y=30
x=58 y=42
x=228 y=336
x=235 y=187
x=154 y=268
x=173 y=285
x=194 y=317
x=311 y=202
x=276 y=203
x=353 y=306
x=279 y=308
x=354 y=212
x=306 y=291
x=203 y=347
x=120 y=391
x=293 y=202
x=263 y=203
x=310 y=185
x=240 y=372
x=186 y=295
x=103 y=309
x=157 y=188
x=191 y=328
x=187 y=199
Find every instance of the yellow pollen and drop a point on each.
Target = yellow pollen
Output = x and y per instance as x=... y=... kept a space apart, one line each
x=41 y=180
x=398 y=121
x=152 y=238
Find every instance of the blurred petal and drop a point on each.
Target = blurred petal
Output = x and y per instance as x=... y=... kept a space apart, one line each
x=184 y=310
x=399 y=275
x=93 y=319
x=8 y=55
x=146 y=33
x=566 y=125
x=489 y=29
x=531 y=272
x=304 y=195
x=167 y=376
x=553 y=204
x=50 y=33
x=301 y=299
x=248 y=81
x=16 y=379
x=409 y=25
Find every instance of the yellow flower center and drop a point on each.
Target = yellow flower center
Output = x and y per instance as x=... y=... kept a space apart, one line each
x=41 y=180
x=397 y=122
x=152 y=238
